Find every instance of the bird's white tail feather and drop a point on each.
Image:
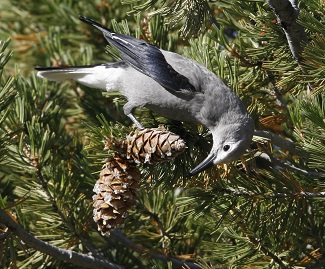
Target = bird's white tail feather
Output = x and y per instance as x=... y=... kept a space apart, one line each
x=100 y=76
x=62 y=73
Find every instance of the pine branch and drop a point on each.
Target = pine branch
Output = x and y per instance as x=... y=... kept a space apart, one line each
x=287 y=13
x=73 y=257
x=146 y=252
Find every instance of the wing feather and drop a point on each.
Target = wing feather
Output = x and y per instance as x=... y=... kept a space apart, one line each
x=145 y=58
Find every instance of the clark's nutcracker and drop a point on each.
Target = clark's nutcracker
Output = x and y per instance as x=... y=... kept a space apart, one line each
x=170 y=85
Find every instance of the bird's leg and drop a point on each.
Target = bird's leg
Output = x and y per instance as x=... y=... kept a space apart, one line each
x=128 y=108
x=135 y=121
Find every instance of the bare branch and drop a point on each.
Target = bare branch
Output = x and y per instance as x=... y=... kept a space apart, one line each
x=73 y=257
x=287 y=13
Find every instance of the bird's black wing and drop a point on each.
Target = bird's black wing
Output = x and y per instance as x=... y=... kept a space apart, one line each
x=146 y=58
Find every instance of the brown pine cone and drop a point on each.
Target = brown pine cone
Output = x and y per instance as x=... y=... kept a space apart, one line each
x=116 y=192
x=153 y=145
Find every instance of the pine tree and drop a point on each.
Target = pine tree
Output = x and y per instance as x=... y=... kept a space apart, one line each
x=265 y=210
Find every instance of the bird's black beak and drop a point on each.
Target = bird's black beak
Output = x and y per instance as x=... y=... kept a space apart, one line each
x=206 y=163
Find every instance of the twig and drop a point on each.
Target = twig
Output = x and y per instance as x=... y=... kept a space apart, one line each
x=318 y=264
x=277 y=92
x=296 y=169
x=146 y=252
x=280 y=142
x=278 y=162
x=287 y=13
x=73 y=257
x=286 y=145
x=283 y=164
x=298 y=195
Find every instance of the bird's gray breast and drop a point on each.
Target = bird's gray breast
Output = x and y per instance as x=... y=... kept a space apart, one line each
x=177 y=108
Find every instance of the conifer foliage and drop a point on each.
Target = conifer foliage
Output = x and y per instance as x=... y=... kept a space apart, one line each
x=82 y=188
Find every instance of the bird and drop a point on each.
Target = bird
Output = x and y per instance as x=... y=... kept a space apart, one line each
x=170 y=85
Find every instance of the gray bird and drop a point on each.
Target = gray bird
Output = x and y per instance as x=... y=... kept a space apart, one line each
x=170 y=85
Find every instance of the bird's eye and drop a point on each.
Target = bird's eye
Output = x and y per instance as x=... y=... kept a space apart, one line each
x=226 y=147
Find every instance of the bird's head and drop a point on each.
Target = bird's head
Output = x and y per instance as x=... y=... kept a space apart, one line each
x=229 y=142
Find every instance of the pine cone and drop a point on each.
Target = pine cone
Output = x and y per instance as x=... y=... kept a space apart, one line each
x=116 y=192
x=153 y=145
